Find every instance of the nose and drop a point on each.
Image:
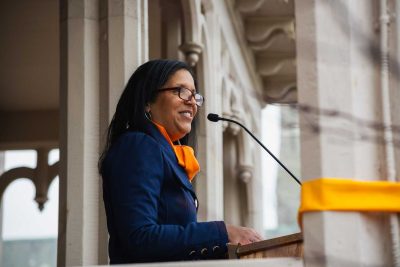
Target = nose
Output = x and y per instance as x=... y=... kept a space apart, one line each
x=192 y=101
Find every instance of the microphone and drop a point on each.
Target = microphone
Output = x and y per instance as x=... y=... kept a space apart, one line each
x=215 y=117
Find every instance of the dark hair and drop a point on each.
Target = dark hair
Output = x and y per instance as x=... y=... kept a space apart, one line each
x=140 y=90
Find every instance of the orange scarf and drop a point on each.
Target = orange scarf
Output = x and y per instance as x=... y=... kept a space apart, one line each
x=184 y=154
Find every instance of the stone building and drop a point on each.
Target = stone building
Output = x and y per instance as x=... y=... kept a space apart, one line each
x=64 y=65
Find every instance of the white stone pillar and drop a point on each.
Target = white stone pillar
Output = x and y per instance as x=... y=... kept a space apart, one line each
x=79 y=143
x=209 y=183
x=123 y=47
x=102 y=43
x=337 y=70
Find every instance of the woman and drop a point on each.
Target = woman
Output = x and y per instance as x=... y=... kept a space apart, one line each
x=149 y=199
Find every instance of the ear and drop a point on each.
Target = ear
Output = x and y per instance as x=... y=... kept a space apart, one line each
x=147 y=108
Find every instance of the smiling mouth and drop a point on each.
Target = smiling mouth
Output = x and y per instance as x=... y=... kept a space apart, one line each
x=187 y=114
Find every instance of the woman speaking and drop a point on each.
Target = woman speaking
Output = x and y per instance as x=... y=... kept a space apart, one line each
x=150 y=203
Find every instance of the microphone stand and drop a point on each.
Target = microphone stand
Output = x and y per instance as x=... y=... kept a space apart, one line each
x=216 y=118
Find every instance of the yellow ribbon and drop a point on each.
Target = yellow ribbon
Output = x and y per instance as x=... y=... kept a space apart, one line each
x=336 y=194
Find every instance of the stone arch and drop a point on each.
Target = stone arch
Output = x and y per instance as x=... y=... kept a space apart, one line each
x=41 y=177
x=14 y=174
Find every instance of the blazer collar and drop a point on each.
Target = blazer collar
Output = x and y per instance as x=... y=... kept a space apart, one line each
x=170 y=155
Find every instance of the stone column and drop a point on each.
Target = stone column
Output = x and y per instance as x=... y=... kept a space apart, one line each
x=102 y=42
x=191 y=47
x=209 y=183
x=79 y=136
x=337 y=71
x=123 y=47
x=171 y=29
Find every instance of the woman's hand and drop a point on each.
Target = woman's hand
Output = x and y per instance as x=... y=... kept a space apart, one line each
x=242 y=235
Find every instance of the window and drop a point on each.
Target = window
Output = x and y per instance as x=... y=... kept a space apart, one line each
x=29 y=236
x=281 y=193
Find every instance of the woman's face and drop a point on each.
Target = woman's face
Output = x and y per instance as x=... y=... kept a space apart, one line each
x=175 y=114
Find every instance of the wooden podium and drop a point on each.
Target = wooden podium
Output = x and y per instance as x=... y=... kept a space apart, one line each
x=284 y=246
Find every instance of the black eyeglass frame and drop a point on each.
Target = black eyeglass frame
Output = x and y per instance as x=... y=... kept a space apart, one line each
x=179 y=88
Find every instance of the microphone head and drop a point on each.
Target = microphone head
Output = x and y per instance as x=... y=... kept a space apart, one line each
x=213 y=117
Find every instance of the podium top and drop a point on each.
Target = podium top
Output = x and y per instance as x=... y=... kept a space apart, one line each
x=265 y=245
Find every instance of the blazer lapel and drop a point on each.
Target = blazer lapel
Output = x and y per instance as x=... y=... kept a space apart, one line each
x=171 y=157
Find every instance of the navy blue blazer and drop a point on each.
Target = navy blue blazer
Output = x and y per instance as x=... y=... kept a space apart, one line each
x=151 y=205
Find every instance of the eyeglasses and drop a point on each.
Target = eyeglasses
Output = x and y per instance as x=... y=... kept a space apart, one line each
x=186 y=94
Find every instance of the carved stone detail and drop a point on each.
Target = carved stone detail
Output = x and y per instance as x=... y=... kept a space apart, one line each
x=283 y=92
x=245 y=174
x=269 y=28
x=192 y=19
x=192 y=52
x=276 y=66
x=267 y=44
x=263 y=29
x=41 y=176
x=232 y=106
x=232 y=128
x=249 y=6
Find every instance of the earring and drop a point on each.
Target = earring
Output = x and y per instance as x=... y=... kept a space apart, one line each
x=127 y=125
x=147 y=114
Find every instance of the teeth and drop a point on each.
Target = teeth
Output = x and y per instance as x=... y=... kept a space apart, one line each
x=187 y=114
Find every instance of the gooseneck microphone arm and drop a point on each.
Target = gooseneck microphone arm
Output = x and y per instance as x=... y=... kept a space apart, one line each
x=214 y=118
